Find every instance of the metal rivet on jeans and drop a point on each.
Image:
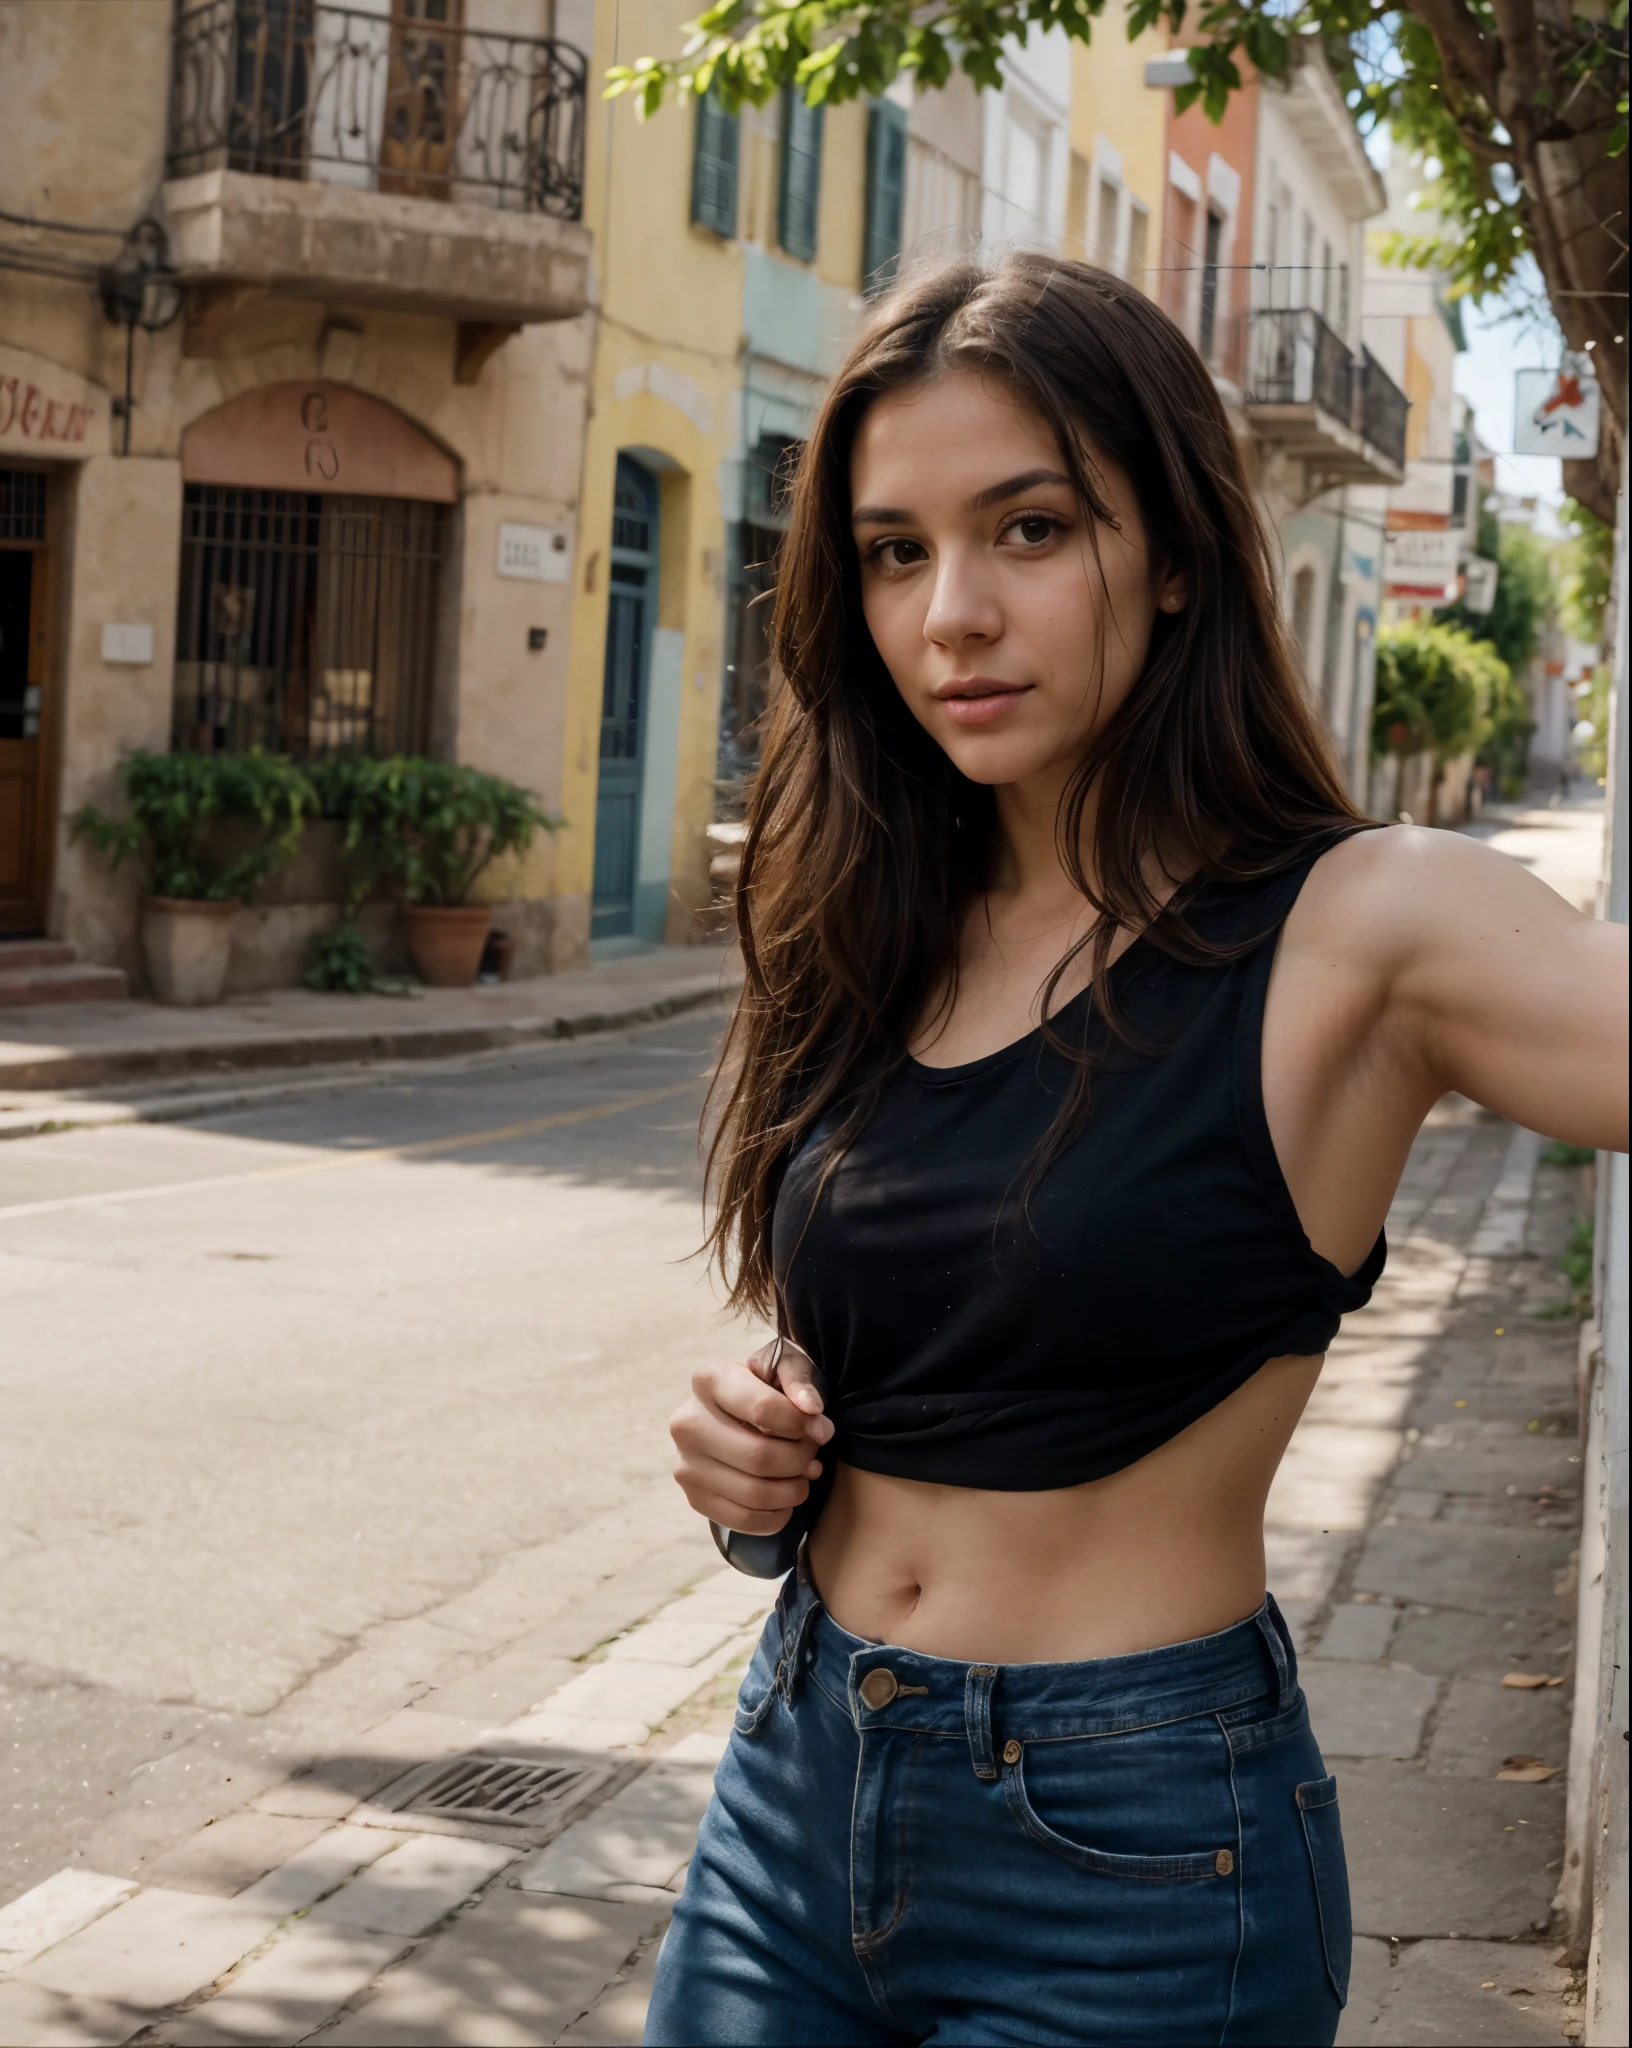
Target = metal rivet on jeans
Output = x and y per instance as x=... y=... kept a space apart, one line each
x=879 y=1687
x=1223 y=1862
x=1011 y=1752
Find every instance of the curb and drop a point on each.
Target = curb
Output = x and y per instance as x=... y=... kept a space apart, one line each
x=55 y=1073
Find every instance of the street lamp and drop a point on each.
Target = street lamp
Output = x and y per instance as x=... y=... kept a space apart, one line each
x=138 y=289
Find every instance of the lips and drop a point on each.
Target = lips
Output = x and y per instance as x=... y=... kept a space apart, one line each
x=979 y=700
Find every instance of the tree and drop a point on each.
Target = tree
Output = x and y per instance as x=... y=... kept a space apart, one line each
x=1519 y=108
x=1588 y=558
x=1524 y=593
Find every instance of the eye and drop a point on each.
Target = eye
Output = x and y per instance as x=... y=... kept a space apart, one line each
x=1033 y=528
x=898 y=554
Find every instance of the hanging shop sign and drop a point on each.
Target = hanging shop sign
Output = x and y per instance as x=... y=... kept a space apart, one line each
x=1555 y=412
x=1421 y=563
x=1479 y=579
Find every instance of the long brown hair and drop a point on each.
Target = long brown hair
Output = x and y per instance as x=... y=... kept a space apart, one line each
x=866 y=847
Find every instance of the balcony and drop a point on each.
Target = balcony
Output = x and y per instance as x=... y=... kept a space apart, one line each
x=375 y=156
x=1343 y=419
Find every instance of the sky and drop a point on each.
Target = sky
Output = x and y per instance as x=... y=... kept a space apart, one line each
x=1499 y=344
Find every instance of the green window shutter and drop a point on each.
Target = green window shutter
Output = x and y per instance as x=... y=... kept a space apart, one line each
x=714 y=168
x=800 y=197
x=886 y=189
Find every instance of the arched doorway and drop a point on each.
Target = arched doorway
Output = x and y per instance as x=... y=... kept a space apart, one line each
x=630 y=618
x=312 y=538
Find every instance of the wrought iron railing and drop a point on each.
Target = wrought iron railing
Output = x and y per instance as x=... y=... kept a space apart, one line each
x=1383 y=409
x=1296 y=359
x=388 y=100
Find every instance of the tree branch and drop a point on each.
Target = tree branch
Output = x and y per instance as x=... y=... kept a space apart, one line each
x=1461 y=40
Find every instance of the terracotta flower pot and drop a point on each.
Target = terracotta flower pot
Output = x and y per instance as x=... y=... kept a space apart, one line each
x=187 y=946
x=446 y=941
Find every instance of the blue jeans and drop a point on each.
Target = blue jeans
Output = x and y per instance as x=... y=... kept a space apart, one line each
x=904 y=1848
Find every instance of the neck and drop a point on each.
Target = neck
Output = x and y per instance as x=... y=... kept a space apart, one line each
x=1028 y=867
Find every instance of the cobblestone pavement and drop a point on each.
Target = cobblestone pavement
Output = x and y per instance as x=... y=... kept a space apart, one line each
x=1420 y=1535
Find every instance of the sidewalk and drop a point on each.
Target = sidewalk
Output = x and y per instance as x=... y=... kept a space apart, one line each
x=60 y=1065
x=348 y=1880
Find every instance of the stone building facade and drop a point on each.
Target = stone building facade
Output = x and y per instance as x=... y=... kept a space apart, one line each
x=294 y=365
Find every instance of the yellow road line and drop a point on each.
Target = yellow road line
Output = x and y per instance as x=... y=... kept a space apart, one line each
x=418 y=1148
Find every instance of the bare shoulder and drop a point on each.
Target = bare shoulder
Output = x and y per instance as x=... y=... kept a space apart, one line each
x=1379 y=898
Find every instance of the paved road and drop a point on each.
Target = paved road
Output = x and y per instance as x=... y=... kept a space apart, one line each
x=272 y=1380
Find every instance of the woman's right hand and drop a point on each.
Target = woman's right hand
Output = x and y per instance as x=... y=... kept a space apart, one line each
x=747 y=1439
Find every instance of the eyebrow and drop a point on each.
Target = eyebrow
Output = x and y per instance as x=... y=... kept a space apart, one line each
x=994 y=494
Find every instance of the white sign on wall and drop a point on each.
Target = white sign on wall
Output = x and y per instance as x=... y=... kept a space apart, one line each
x=1480 y=592
x=535 y=554
x=128 y=646
x=1421 y=562
x=1555 y=412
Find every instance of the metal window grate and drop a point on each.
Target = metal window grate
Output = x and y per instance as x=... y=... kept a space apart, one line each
x=22 y=505
x=504 y=1790
x=306 y=623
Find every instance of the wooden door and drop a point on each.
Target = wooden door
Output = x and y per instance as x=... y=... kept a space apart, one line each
x=24 y=661
x=422 y=98
x=631 y=615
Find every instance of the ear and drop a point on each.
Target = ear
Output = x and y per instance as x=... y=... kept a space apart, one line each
x=1171 y=594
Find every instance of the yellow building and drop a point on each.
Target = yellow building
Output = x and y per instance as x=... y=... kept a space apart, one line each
x=1118 y=174
x=729 y=258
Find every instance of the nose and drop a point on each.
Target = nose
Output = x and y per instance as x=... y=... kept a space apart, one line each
x=963 y=605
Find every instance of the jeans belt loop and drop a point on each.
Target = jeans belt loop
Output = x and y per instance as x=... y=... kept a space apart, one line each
x=977 y=1715
x=797 y=1608
x=1278 y=1641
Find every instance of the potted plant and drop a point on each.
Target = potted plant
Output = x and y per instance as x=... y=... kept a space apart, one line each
x=172 y=800
x=431 y=828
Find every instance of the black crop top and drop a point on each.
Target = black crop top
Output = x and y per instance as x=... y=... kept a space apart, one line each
x=1161 y=1264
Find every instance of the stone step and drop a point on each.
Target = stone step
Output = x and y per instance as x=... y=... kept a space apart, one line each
x=36 y=953
x=70 y=982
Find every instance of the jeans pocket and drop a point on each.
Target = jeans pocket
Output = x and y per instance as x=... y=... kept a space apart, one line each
x=1323 y=1832
x=1193 y=1867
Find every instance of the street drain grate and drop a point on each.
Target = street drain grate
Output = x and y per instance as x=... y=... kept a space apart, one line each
x=502 y=1791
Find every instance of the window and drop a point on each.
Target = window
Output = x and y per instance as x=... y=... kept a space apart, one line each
x=305 y=624
x=1209 y=284
x=886 y=190
x=1138 y=239
x=1343 y=299
x=1326 y=282
x=799 y=199
x=1076 y=209
x=1181 y=262
x=1307 y=268
x=714 y=168
x=1023 y=168
x=1110 y=216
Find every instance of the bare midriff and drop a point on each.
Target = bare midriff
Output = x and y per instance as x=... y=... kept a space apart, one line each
x=1163 y=1551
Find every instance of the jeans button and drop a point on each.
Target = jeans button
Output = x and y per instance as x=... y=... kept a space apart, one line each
x=879 y=1687
x=1223 y=1862
x=1011 y=1752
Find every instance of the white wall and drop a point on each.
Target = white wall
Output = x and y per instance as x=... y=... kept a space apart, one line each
x=1027 y=150
x=1298 y=220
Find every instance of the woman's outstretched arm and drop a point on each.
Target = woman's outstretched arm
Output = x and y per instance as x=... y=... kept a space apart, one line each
x=1506 y=993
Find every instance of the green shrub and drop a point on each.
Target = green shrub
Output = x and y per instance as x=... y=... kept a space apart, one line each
x=427 y=828
x=172 y=800
x=1440 y=688
x=340 y=962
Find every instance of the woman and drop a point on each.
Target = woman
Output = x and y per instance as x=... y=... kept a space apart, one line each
x=1087 y=1027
